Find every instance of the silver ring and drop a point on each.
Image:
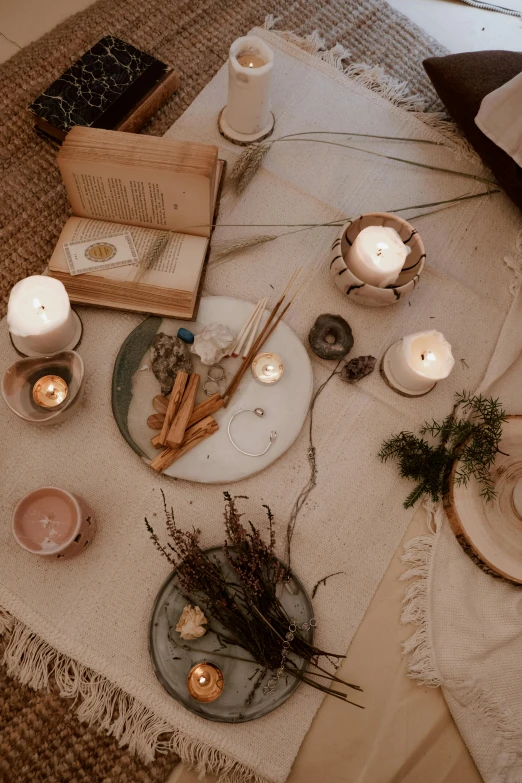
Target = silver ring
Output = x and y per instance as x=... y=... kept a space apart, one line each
x=259 y=412
x=210 y=387
x=216 y=373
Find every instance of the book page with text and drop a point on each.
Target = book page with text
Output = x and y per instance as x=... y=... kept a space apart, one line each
x=152 y=198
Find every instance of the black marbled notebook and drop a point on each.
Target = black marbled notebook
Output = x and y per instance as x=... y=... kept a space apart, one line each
x=100 y=88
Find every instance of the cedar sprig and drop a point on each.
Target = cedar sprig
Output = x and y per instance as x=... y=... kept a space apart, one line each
x=470 y=434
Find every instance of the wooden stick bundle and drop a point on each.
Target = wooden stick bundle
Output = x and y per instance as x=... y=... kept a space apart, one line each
x=176 y=396
x=179 y=422
x=194 y=435
x=201 y=411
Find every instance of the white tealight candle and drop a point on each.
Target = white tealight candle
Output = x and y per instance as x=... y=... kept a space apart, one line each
x=39 y=315
x=247 y=112
x=377 y=256
x=415 y=364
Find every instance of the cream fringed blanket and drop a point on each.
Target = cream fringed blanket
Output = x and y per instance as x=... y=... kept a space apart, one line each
x=85 y=621
x=469 y=639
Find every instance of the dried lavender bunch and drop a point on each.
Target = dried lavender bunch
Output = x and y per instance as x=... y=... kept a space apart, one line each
x=247 y=605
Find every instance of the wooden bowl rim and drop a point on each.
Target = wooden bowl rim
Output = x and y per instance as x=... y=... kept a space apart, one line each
x=458 y=528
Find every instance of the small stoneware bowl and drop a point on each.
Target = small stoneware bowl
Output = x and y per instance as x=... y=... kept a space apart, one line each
x=357 y=289
x=19 y=380
x=53 y=523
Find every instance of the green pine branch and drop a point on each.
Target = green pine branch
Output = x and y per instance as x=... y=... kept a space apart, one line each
x=471 y=434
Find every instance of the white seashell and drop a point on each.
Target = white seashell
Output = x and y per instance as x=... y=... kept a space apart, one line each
x=212 y=343
x=190 y=623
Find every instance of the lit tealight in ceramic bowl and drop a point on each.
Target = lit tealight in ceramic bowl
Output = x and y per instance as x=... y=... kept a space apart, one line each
x=53 y=523
x=44 y=390
x=267 y=368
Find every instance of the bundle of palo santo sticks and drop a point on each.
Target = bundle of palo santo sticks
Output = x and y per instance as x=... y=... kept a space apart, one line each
x=181 y=423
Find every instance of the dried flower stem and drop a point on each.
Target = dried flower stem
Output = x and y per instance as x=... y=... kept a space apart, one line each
x=242 y=598
x=226 y=250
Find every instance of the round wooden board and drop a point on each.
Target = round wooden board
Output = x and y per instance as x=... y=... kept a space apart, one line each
x=493 y=530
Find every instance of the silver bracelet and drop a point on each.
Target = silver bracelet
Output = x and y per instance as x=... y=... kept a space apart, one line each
x=259 y=412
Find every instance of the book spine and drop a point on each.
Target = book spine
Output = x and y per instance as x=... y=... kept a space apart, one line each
x=150 y=104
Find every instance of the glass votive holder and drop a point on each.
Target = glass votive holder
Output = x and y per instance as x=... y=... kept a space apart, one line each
x=45 y=389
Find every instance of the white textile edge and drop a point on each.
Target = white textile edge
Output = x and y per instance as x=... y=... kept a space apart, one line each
x=489 y=710
x=37 y=664
x=418 y=553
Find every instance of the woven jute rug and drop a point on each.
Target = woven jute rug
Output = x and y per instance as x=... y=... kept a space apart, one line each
x=40 y=738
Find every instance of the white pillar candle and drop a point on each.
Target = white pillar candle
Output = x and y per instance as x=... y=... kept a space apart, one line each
x=40 y=313
x=419 y=360
x=377 y=256
x=249 y=70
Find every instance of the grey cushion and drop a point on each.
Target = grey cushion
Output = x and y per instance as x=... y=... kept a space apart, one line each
x=462 y=80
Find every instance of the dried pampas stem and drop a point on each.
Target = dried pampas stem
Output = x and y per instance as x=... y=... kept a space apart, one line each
x=227 y=249
x=250 y=160
x=248 y=163
x=148 y=261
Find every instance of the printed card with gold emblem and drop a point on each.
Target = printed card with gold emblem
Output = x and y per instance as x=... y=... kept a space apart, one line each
x=100 y=253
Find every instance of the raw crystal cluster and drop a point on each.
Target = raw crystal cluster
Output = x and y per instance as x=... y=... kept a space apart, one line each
x=168 y=355
x=212 y=343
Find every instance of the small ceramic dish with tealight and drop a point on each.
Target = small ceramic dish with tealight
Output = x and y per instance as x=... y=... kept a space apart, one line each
x=45 y=389
x=362 y=292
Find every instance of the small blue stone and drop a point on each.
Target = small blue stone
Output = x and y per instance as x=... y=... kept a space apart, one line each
x=185 y=335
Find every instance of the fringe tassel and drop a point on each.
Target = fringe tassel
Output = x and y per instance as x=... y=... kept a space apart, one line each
x=35 y=663
x=375 y=78
x=418 y=554
x=502 y=722
x=6 y=621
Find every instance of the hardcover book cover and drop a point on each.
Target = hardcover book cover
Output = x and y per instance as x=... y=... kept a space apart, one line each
x=100 y=88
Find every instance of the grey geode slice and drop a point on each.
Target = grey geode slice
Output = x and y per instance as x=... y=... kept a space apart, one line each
x=331 y=337
x=358 y=368
x=169 y=354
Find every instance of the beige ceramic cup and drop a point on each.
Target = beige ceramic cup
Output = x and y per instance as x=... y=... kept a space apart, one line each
x=53 y=523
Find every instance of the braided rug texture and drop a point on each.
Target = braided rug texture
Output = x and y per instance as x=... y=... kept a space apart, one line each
x=41 y=739
x=192 y=35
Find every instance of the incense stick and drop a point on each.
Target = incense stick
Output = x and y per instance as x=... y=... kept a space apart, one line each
x=246 y=330
x=265 y=334
x=255 y=327
x=241 y=333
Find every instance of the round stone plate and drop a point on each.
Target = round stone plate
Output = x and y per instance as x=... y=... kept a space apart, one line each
x=215 y=460
x=239 y=702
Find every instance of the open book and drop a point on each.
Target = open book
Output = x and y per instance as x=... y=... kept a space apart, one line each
x=164 y=193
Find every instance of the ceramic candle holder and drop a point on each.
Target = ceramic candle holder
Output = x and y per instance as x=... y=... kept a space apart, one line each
x=18 y=384
x=357 y=289
x=53 y=523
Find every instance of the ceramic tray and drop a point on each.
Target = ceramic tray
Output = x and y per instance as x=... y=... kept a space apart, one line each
x=216 y=460
x=172 y=663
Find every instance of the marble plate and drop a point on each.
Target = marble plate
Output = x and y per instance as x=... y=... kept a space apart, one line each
x=172 y=663
x=285 y=404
